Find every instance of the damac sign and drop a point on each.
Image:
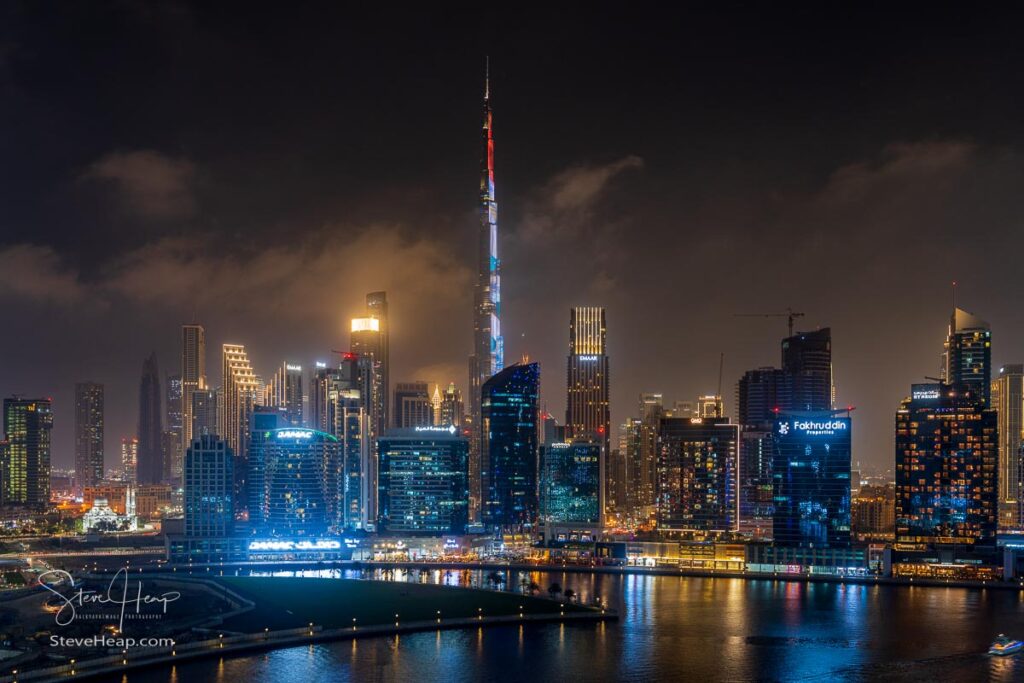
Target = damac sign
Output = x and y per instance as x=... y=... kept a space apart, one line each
x=588 y=359
x=319 y=544
x=295 y=434
x=814 y=427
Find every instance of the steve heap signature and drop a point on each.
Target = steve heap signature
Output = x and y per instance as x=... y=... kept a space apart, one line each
x=81 y=597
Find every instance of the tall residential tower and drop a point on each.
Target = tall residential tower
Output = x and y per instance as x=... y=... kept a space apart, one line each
x=587 y=413
x=88 y=435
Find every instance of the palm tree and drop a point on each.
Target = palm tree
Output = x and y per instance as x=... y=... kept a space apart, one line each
x=569 y=594
x=495 y=579
x=534 y=588
x=554 y=589
x=524 y=584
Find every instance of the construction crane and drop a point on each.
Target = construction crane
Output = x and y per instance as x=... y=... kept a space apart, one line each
x=790 y=315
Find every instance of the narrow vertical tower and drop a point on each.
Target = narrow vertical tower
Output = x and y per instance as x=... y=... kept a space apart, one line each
x=488 y=346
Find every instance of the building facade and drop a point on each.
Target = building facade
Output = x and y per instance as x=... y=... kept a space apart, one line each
x=587 y=413
x=947 y=488
x=88 y=435
x=807 y=366
x=150 y=461
x=209 y=482
x=285 y=391
x=193 y=374
x=697 y=475
x=509 y=430
x=570 y=484
x=968 y=355
x=1008 y=402
x=240 y=388
x=25 y=465
x=423 y=481
x=412 y=405
x=811 y=476
x=298 y=494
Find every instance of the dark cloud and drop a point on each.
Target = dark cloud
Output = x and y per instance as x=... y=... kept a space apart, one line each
x=262 y=176
x=147 y=183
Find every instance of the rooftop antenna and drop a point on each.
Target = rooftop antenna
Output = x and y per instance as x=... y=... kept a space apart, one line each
x=954 y=295
x=718 y=403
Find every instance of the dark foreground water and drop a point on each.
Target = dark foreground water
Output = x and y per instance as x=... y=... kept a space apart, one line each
x=676 y=629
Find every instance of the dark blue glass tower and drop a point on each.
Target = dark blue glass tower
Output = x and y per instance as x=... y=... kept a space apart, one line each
x=508 y=468
x=811 y=474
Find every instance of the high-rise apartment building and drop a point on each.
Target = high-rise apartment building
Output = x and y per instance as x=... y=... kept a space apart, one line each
x=629 y=446
x=174 y=429
x=587 y=414
x=423 y=481
x=341 y=405
x=947 y=477
x=240 y=388
x=412 y=405
x=204 y=413
x=761 y=394
x=452 y=410
x=285 y=392
x=807 y=364
x=25 y=465
x=509 y=427
x=209 y=484
x=129 y=459
x=710 y=406
x=1008 y=402
x=150 y=463
x=377 y=309
x=193 y=374
x=968 y=355
x=88 y=435
x=697 y=475
x=651 y=412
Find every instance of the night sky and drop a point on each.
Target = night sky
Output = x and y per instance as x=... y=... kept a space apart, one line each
x=262 y=169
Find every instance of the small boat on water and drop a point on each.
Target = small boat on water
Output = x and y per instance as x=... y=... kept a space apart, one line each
x=1005 y=646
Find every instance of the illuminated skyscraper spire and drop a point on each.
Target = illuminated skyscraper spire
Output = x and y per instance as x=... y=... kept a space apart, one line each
x=488 y=347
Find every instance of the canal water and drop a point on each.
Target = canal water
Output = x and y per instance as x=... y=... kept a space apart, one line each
x=671 y=629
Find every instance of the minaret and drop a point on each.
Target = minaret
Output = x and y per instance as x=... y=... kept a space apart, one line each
x=488 y=347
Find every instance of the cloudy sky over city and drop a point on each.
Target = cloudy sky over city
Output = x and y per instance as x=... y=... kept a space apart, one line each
x=260 y=172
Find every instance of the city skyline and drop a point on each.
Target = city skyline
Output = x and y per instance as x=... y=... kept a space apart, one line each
x=566 y=220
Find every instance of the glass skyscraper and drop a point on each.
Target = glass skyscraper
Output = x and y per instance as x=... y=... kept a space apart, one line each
x=423 y=481
x=811 y=475
x=298 y=496
x=570 y=483
x=509 y=446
